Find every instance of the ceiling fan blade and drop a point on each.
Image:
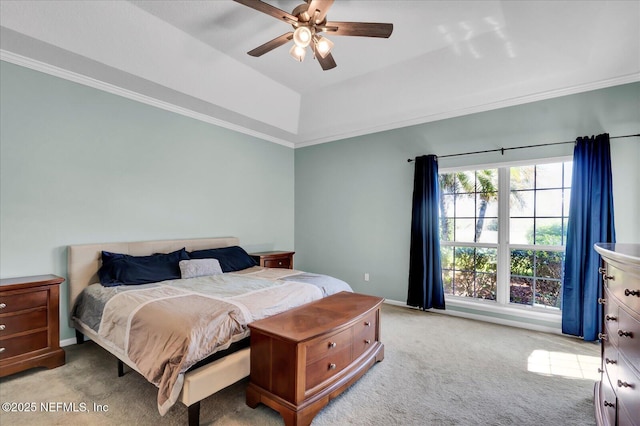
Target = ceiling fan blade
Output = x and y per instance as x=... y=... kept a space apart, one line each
x=327 y=62
x=360 y=29
x=269 y=10
x=270 y=45
x=321 y=7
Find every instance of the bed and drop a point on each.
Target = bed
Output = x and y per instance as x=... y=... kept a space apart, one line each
x=244 y=295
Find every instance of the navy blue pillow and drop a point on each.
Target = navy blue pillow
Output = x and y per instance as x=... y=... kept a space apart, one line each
x=231 y=258
x=123 y=269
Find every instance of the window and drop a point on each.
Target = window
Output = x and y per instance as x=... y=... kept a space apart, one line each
x=503 y=232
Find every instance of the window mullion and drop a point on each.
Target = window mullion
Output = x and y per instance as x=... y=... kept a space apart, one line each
x=504 y=261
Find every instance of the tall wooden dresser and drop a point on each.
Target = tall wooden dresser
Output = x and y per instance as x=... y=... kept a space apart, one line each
x=29 y=323
x=617 y=394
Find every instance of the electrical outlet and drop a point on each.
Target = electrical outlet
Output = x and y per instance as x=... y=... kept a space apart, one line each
x=366 y=276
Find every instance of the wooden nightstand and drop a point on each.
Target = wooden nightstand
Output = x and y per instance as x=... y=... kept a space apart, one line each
x=274 y=259
x=30 y=323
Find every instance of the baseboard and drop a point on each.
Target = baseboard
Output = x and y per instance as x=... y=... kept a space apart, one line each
x=485 y=318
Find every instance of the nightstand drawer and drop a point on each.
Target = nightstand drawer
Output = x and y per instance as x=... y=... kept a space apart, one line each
x=23 y=344
x=29 y=320
x=18 y=302
x=277 y=263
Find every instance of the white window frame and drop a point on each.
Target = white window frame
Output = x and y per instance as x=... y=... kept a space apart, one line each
x=502 y=302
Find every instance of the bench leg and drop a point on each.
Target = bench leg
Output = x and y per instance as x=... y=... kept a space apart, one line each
x=120 y=368
x=79 y=337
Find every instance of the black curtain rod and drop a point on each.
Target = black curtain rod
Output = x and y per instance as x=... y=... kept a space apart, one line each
x=502 y=150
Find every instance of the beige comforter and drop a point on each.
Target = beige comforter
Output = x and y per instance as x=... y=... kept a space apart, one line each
x=166 y=329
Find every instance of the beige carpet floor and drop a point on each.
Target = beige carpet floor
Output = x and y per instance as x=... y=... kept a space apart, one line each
x=438 y=370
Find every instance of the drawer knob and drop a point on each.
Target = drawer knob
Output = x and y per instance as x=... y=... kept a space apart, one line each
x=2 y=327
x=367 y=324
x=608 y=277
x=627 y=292
x=622 y=333
x=2 y=350
x=332 y=366
x=602 y=336
x=367 y=342
x=3 y=305
x=622 y=384
x=279 y=262
x=332 y=344
x=609 y=404
x=611 y=318
x=600 y=370
x=601 y=301
x=610 y=361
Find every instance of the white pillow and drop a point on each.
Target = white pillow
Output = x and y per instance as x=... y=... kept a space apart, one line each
x=199 y=268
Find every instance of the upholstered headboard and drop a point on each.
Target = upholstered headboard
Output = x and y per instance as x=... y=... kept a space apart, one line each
x=85 y=259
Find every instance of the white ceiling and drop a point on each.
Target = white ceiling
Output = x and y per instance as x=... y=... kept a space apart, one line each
x=444 y=59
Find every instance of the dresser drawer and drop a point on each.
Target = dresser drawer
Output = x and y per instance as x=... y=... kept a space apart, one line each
x=325 y=368
x=625 y=418
x=627 y=386
x=18 y=302
x=328 y=345
x=24 y=344
x=622 y=284
x=29 y=320
x=608 y=402
x=629 y=338
x=610 y=362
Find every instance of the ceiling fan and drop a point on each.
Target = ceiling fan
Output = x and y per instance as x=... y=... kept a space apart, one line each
x=309 y=20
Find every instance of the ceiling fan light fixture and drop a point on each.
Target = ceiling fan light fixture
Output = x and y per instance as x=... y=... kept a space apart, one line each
x=298 y=53
x=302 y=36
x=323 y=46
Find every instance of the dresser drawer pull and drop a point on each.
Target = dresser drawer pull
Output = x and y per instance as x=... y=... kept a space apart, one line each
x=332 y=344
x=332 y=366
x=367 y=324
x=610 y=361
x=622 y=384
x=2 y=327
x=3 y=305
x=279 y=262
x=625 y=333
x=611 y=318
x=607 y=277
x=602 y=336
x=601 y=301
x=367 y=342
x=627 y=292
x=609 y=404
x=2 y=350
x=600 y=370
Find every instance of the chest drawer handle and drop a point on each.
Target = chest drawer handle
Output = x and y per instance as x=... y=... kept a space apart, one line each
x=610 y=361
x=332 y=366
x=602 y=336
x=601 y=301
x=609 y=404
x=627 y=292
x=367 y=342
x=625 y=333
x=2 y=350
x=3 y=305
x=600 y=370
x=611 y=318
x=622 y=384
x=367 y=324
x=2 y=327
x=332 y=344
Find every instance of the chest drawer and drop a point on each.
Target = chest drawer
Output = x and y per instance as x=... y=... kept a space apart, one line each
x=25 y=321
x=628 y=334
x=608 y=402
x=364 y=334
x=18 y=302
x=627 y=386
x=328 y=345
x=326 y=367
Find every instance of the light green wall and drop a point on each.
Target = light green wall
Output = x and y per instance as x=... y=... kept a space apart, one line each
x=79 y=165
x=353 y=197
